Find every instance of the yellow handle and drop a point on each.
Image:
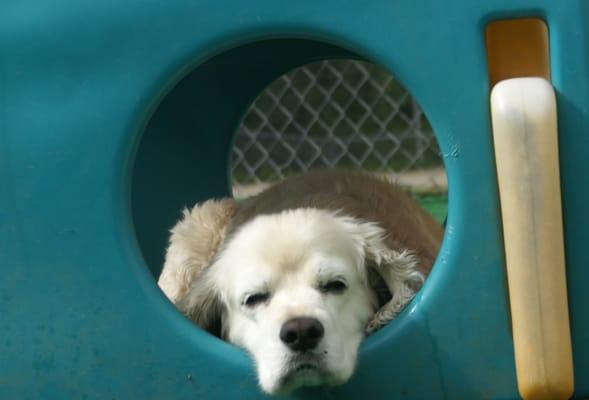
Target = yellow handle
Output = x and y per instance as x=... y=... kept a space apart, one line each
x=526 y=152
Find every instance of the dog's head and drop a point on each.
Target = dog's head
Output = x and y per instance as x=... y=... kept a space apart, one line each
x=297 y=291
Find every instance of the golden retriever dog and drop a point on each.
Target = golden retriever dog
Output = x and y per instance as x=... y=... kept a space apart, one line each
x=300 y=273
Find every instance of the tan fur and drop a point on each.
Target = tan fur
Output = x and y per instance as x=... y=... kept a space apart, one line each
x=358 y=195
x=194 y=242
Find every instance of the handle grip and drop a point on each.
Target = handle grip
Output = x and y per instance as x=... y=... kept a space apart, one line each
x=526 y=153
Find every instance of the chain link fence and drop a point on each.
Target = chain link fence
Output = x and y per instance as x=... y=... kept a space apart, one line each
x=336 y=113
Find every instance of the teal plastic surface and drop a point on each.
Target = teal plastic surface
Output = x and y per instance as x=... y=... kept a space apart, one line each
x=114 y=115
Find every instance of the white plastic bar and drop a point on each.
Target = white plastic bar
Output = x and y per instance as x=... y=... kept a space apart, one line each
x=526 y=153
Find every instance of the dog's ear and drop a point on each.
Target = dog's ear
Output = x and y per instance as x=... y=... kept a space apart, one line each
x=194 y=242
x=392 y=274
x=202 y=304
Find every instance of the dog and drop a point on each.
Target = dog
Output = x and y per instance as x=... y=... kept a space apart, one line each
x=300 y=273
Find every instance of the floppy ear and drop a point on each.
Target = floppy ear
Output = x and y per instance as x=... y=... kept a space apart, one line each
x=194 y=242
x=202 y=304
x=392 y=274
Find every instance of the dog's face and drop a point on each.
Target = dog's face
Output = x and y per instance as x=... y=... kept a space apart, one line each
x=296 y=298
x=293 y=290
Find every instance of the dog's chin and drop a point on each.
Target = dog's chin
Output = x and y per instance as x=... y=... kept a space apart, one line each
x=303 y=372
x=303 y=375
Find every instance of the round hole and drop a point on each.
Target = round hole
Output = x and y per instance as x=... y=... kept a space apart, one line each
x=283 y=115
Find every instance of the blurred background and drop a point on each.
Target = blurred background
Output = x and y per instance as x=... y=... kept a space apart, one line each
x=339 y=113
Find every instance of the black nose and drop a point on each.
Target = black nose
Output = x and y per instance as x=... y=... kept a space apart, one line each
x=301 y=333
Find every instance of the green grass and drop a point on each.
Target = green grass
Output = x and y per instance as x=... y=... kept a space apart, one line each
x=436 y=205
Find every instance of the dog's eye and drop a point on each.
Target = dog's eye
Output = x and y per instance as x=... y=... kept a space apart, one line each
x=335 y=286
x=255 y=299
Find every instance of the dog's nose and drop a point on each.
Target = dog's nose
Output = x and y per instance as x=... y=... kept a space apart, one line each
x=301 y=333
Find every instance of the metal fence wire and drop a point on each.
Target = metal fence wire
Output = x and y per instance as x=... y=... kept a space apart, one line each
x=334 y=113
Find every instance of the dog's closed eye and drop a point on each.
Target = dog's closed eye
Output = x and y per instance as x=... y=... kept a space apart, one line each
x=254 y=299
x=335 y=286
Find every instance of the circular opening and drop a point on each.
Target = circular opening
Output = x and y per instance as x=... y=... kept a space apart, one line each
x=286 y=106
x=274 y=119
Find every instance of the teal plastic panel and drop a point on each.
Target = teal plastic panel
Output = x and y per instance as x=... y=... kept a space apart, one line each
x=114 y=115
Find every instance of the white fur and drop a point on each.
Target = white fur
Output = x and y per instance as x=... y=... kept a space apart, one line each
x=289 y=255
